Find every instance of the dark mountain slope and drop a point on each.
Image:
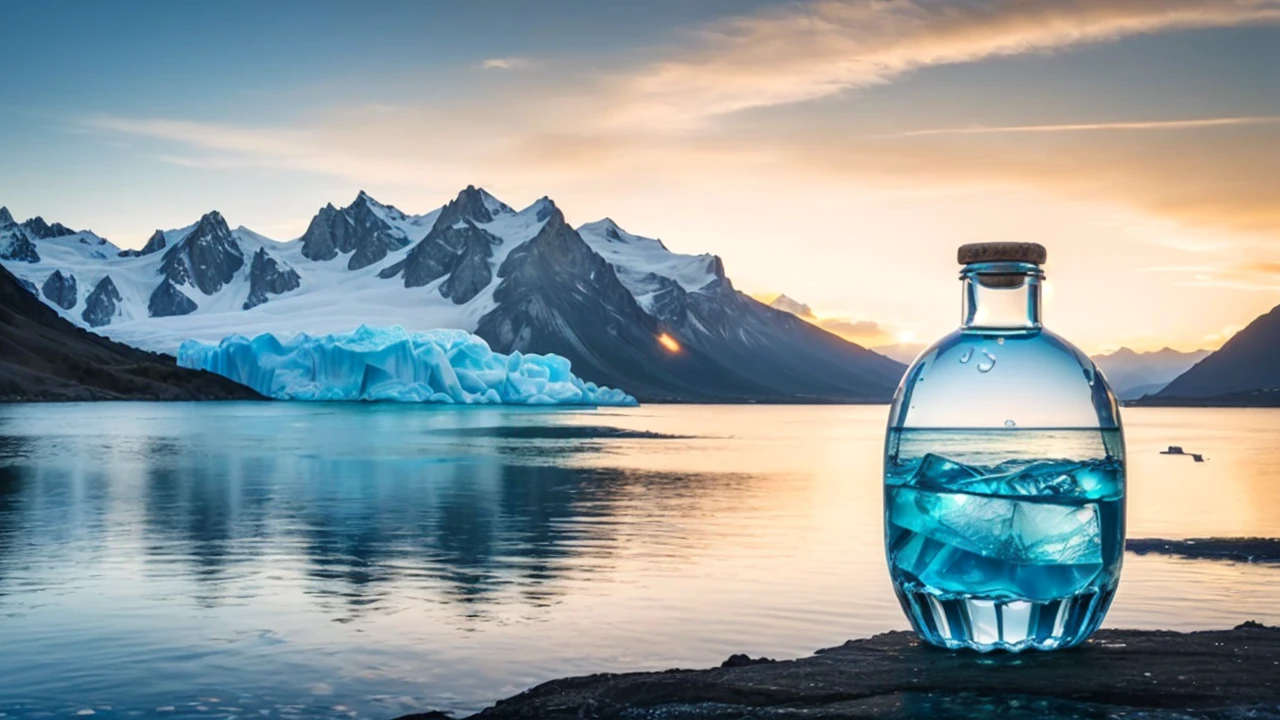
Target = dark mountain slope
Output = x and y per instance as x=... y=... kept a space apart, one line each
x=45 y=357
x=1245 y=371
x=557 y=295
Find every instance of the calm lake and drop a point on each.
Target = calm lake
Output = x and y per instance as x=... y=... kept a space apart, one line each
x=314 y=560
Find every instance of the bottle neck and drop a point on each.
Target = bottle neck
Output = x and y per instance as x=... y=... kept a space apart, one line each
x=1001 y=296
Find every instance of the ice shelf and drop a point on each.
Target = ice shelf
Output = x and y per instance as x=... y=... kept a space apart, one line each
x=435 y=366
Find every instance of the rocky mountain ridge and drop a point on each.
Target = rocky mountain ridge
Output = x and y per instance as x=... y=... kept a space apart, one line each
x=614 y=303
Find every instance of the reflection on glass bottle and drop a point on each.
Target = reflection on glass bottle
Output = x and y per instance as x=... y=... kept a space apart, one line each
x=1004 y=473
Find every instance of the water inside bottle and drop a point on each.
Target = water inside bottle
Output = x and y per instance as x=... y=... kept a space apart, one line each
x=1005 y=538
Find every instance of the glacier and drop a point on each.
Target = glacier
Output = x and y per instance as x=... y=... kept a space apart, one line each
x=433 y=366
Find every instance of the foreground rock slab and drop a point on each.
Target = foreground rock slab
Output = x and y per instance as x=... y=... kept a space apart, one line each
x=1132 y=674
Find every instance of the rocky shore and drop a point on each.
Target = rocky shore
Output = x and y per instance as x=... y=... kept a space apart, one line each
x=1253 y=550
x=1135 y=674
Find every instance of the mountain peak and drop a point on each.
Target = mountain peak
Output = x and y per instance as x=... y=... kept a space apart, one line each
x=157 y=241
x=364 y=198
x=212 y=221
x=610 y=229
x=606 y=226
x=43 y=230
x=473 y=204
x=790 y=305
x=5 y=218
x=38 y=226
x=545 y=208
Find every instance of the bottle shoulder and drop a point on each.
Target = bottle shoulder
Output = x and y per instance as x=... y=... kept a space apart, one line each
x=1025 y=379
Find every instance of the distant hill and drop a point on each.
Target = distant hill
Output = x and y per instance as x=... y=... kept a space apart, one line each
x=45 y=357
x=1133 y=375
x=1245 y=372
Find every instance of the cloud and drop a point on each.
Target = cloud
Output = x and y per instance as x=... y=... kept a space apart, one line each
x=1085 y=127
x=1251 y=276
x=863 y=332
x=507 y=63
x=660 y=121
x=1226 y=176
x=813 y=50
x=413 y=146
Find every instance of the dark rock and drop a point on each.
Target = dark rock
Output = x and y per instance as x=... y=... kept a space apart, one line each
x=155 y=243
x=741 y=660
x=393 y=269
x=558 y=295
x=374 y=237
x=355 y=229
x=461 y=252
x=547 y=210
x=472 y=204
x=100 y=306
x=1263 y=550
x=29 y=286
x=208 y=256
x=669 y=302
x=268 y=277
x=329 y=233
x=471 y=273
x=60 y=289
x=1155 y=675
x=433 y=257
x=167 y=300
x=6 y=218
x=15 y=245
x=43 y=230
x=45 y=357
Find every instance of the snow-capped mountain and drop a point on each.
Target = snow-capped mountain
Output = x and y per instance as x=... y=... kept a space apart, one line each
x=524 y=280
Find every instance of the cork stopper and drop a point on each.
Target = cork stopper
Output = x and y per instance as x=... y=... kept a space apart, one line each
x=1002 y=252
x=994 y=252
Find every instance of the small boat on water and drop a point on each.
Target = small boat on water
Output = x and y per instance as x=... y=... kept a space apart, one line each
x=1177 y=450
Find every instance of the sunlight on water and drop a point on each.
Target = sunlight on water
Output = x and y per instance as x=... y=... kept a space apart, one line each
x=328 y=560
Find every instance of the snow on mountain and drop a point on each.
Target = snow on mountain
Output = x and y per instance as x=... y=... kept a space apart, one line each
x=645 y=266
x=790 y=305
x=523 y=280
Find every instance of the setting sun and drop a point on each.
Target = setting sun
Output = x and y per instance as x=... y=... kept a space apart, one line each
x=669 y=343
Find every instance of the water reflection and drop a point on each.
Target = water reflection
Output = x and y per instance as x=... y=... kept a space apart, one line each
x=466 y=523
x=385 y=559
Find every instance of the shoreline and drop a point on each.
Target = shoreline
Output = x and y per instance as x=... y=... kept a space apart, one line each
x=1154 y=675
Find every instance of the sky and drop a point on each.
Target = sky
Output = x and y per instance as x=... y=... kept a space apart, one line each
x=837 y=151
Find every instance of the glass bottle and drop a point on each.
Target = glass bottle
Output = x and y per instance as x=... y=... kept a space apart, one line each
x=1004 y=473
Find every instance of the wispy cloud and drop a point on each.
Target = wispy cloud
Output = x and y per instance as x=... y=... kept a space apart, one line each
x=1252 y=275
x=636 y=122
x=816 y=49
x=1088 y=127
x=504 y=63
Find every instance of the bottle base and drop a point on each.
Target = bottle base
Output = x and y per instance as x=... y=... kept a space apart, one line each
x=987 y=624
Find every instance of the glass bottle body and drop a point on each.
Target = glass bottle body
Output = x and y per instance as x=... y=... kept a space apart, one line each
x=1004 y=479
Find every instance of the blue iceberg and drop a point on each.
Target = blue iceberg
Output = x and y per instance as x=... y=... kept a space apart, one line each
x=436 y=366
